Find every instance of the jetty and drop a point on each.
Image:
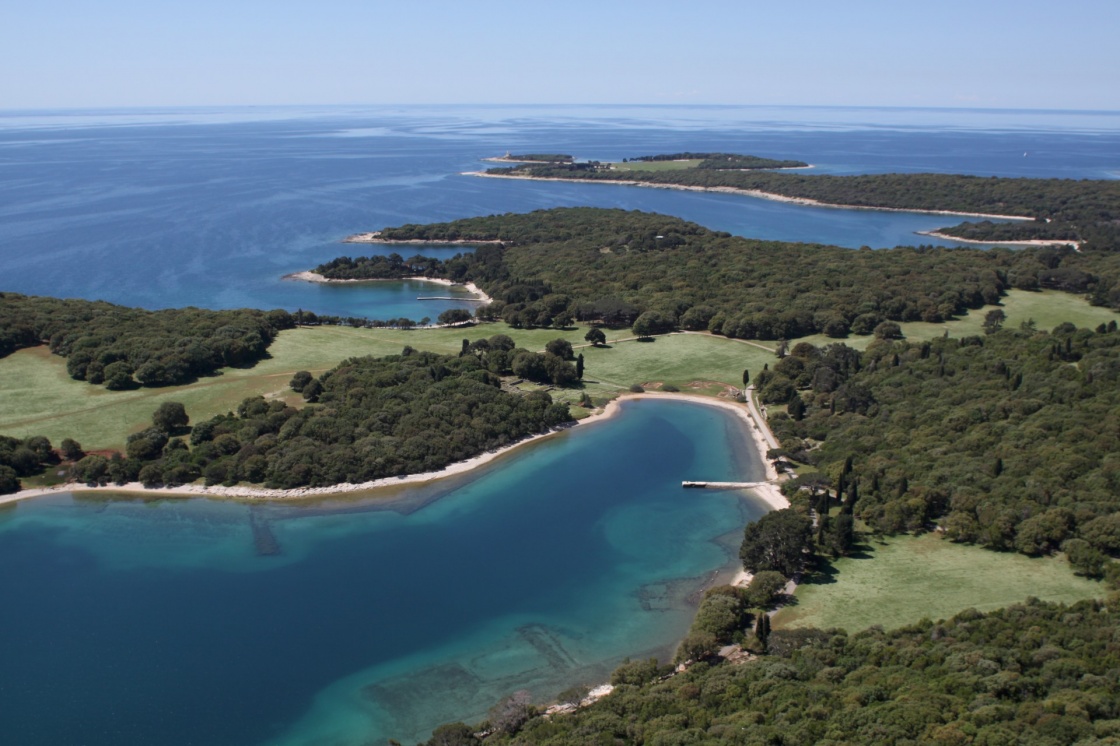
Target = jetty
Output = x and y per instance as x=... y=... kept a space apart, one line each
x=721 y=485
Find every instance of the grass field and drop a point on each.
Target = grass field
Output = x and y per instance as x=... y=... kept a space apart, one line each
x=900 y=580
x=37 y=397
x=1048 y=309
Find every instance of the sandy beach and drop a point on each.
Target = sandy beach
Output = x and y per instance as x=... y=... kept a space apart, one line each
x=1032 y=242
x=375 y=237
x=804 y=201
x=769 y=492
x=480 y=297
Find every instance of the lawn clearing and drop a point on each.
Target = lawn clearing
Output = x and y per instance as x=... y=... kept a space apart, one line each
x=37 y=397
x=902 y=579
x=677 y=359
x=1047 y=308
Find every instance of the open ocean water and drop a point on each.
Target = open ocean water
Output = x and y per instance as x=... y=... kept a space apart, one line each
x=213 y=622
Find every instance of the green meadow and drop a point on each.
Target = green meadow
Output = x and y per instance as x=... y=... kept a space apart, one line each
x=37 y=397
x=898 y=580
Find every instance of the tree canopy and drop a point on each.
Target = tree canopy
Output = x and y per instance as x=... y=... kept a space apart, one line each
x=370 y=418
x=1033 y=673
x=613 y=266
x=1006 y=439
x=124 y=347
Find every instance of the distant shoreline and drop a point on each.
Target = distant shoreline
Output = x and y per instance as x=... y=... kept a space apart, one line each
x=1025 y=242
x=769 y=493
x=803 y=201
x=375 y=237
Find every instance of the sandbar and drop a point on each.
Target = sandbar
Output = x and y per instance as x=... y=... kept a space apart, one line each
x=1025 y=242
x=309 y=276
x=375 y=237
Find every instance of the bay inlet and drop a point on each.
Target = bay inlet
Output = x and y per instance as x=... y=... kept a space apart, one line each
x=368 y=617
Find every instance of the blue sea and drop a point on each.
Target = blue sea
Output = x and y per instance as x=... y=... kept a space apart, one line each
x=349 y=621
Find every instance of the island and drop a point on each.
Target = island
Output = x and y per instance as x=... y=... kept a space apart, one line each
x=617 y=267
x=1050 y=211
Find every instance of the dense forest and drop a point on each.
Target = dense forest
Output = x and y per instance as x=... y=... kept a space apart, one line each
x=367 y=418
x=124 y=347
x=1033 y=673
x=614 y=266
x=1007 y=440
x=1083 y=210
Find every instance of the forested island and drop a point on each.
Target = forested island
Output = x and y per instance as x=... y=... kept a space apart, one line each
x=1059 y=209
x=623 y=268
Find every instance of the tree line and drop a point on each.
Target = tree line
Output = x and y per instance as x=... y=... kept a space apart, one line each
x=121 y=347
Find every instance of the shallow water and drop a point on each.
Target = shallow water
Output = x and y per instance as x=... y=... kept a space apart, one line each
x=204 y=621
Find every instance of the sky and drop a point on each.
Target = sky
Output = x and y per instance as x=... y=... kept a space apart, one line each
x=951 y=53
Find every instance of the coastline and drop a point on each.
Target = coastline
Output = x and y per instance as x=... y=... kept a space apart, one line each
x=375 y=237
x=1027 y=242
x=769 y=493
x=309 y=276
x=803 y=201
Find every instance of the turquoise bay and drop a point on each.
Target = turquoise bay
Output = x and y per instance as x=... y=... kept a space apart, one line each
x=218 y=622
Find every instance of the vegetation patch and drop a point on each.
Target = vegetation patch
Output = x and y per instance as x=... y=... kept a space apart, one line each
x=123 y=348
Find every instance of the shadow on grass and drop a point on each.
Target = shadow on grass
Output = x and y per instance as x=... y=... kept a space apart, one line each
x=824 y=570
